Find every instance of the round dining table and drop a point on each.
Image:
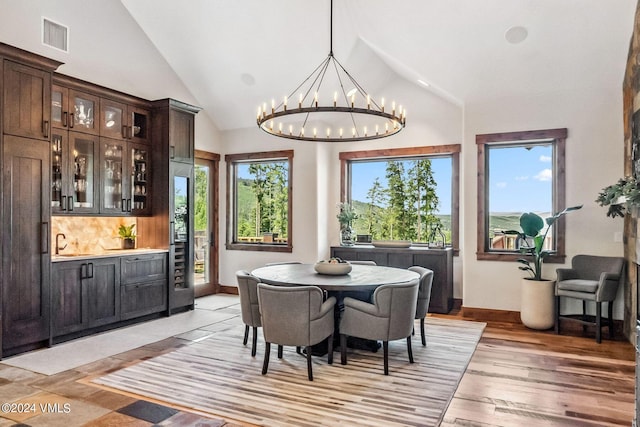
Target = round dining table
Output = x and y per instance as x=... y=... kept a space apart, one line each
x=361 y=277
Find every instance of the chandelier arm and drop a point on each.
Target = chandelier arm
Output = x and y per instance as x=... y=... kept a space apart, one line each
x=353 y=120
x=355 y=83
x=305 y=81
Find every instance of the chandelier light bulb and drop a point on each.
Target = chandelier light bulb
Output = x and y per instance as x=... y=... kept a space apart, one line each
x=368 y=101
x=280 y=127
x=290 y=129
x=382 y=104
x=340 y=132
x=285 y=103
x=328 y=132
x=315 y=134
x=300 y=102
x=335 y=98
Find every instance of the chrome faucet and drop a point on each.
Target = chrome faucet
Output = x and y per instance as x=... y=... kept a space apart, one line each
x=58 y=247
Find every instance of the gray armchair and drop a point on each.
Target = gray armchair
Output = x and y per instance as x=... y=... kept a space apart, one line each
x=590 y=278
x=389 y=318
x=295 y=316
x=424 y=296
x=248 y=291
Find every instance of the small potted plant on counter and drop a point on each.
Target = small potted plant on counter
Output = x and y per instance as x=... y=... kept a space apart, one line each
x=128 y=236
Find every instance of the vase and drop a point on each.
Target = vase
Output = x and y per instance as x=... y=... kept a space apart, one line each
x=128 y=243
x=346 y=236
x=537 y=310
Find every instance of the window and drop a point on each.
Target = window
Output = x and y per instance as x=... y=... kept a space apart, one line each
x=519 y=172
x=259 y=201
x=404 y=193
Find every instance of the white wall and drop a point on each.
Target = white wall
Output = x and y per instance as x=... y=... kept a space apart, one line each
x=594 y=159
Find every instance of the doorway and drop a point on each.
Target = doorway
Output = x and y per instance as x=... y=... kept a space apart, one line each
x=205 y=258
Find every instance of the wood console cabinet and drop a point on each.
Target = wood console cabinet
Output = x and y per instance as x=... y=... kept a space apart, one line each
x=438 y=260
x=143 y=285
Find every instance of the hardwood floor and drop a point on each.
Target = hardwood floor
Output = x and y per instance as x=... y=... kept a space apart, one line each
x=517 y=377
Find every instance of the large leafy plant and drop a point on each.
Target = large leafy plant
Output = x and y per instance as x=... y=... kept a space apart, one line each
x=533 y=241
x=619 y=197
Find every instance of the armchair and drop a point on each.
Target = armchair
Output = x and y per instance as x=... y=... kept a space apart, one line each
x=590 y=278
x=424 y=296
x=248 y=291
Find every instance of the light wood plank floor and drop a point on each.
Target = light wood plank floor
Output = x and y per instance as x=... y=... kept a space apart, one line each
x=516 y=377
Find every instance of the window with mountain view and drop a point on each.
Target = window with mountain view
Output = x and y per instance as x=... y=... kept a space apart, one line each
x=404 y=194
x=259 y=201
x=518 y=172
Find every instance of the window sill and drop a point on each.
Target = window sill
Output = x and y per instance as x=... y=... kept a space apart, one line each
x=513 y=256
x=260 y=247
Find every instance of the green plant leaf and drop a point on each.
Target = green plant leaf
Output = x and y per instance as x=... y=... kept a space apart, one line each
x=531 y=223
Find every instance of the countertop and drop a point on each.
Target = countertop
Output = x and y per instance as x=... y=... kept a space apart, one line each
x=105 y=254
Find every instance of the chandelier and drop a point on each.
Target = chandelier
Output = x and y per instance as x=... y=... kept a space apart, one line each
x=348 y=114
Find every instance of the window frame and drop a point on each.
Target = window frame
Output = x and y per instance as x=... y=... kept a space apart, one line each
x=557 y=137
x=452 y=150
x=231 y=199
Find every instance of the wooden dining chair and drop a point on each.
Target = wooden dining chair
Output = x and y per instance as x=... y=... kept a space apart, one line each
x=389 y=318
x=295 y=316
x=424 y=296
x=248 y=291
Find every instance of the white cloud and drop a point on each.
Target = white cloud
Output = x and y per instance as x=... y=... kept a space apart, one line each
x=501 y=184
x=545 y=159
x=521 y=178
x=544 y=175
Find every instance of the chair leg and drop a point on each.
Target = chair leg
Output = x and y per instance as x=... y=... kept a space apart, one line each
x=424 y=338
x=298 y=349
x=413 y=330
x=385 y=347
x=610 y=322
x=330 y=349
x=409 y=350
x=598 y=322
x=280 y=348
x=267 y=350
x=557 y=316
x=343 y=349
x=254 y=342
x=246 y=334
x=584 y=316
x=309 y=368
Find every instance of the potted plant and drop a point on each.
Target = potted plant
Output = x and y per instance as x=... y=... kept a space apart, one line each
x=345 y=217
x=128 y=236
x=538 y=294
x=620 y=197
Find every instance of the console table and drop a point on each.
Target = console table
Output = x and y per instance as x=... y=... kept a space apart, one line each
x=438 y=260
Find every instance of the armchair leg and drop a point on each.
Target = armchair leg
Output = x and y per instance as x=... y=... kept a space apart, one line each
x=280 y=348
x=409 y=349
x=267 y=350
x=254 y=341
x=424 y=338
x=330 y=349
x=343 y=349
x=557 y=316
x=610 y=309
x=584 y=315
x=385 y=347
x=246 y=334
x=309 y=368
x=598 y=322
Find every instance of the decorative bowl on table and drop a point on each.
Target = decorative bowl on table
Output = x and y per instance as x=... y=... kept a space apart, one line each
x=391 y=243
x=333 y=267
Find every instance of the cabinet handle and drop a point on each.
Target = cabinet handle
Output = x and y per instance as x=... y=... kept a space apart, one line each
x=172 y=230
x=65 y=119
x=63 y=203
x=128 y=205
x=124 y=205
x=172 y=151
x=72 y=119
x=91 y=271
x=45 y=128
x=124 y=132
x=130 y=132
x=83 y=271
x=70 y=203
x=45 y=237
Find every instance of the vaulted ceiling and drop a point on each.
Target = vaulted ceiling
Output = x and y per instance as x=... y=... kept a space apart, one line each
x=233 y=55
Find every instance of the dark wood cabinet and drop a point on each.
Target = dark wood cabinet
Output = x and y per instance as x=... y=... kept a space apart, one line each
x=181 y=135
x=27 y=101
x=25 y=242
x=119 y=120
x=438 y=260
x=74 y=110
x=144 y=285
x=85 y=294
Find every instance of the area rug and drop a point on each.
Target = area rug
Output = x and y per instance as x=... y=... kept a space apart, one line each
x=218 y=376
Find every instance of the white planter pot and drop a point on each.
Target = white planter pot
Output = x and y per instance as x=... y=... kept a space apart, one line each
x=537 y=307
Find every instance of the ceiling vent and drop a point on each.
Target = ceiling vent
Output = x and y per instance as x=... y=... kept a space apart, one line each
x=55 y=35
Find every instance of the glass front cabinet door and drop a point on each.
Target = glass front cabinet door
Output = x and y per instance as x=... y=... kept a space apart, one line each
x=113 y=178
x=140 y=179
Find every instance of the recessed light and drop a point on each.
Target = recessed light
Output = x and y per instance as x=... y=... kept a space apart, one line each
x=423 y=83
x=248 y=79
x=515 y=35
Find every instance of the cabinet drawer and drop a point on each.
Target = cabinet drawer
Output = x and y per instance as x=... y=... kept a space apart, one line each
x=142 y=299
x=143 y=268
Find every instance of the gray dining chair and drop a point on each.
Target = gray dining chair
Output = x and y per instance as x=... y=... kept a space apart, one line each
x=424 y=296
x=248 y=291
x=295 y=316
x=389 y=318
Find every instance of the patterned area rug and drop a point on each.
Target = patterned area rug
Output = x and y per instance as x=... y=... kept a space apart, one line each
x=217 y=375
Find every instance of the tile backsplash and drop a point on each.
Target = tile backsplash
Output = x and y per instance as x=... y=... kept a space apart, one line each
x=87 y=235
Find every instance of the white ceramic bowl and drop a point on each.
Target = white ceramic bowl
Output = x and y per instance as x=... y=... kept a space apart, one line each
x=338 y=269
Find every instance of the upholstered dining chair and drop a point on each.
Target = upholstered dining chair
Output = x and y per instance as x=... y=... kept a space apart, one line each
x=590 y=278
x=295 y=316
x=389 y=318
x=424 y=296
x=362 y=262
x=248 y=291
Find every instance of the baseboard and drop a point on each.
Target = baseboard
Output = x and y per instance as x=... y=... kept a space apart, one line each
x=485 y=315
x=224 y=289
